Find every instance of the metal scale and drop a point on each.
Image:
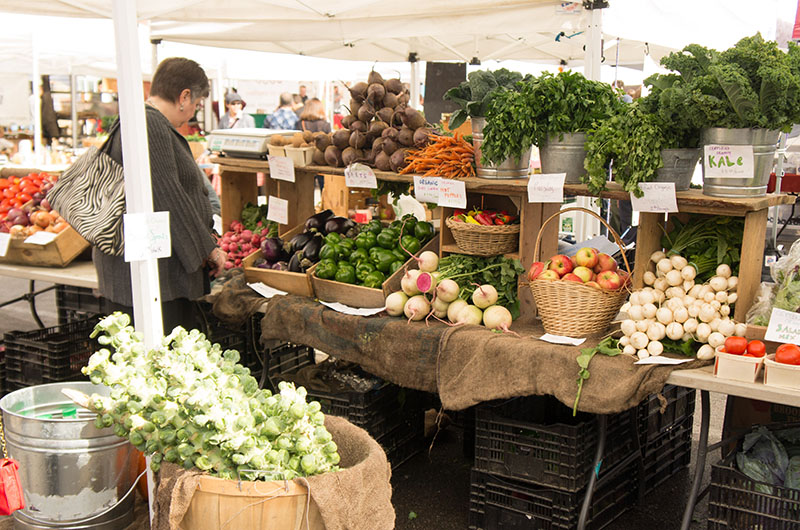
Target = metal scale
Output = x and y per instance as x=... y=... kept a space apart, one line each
x=243 y=143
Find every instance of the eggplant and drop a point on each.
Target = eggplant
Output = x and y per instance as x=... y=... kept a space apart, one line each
x=298 y=242
x=340 y=225
x=261 y=263
x=311 y=250
x=294 y=263
x=272 y=249
x=281 y=266
x=317 y=221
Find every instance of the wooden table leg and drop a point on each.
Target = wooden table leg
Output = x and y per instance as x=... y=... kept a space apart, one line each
x=751 y=261
x=237 y=188
x=300 y=195
x=648 y=240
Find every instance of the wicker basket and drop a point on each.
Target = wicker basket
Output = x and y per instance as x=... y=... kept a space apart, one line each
x=573 y=309
x=484 y=240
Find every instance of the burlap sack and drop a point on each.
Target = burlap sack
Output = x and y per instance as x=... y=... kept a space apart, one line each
x=359 y=497
x=233 y=302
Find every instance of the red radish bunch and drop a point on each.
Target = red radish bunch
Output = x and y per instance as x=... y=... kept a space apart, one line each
x=239 y=242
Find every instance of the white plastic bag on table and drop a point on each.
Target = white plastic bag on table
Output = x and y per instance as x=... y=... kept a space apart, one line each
x=784 y=293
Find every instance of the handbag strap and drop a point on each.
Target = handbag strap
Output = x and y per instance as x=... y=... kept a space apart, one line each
x=3 y=436
x=106 y=147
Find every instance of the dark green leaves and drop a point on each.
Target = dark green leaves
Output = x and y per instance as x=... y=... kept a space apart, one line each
x=608 y=346
x=476 y=93
x=502 y=273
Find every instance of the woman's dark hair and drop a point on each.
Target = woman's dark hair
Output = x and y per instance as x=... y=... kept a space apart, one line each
x=176 y=74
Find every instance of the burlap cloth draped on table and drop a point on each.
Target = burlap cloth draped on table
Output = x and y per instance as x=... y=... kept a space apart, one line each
x=359 y=497
x=466 y=364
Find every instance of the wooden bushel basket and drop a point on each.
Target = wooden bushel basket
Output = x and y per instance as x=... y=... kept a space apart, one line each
x=573 y=309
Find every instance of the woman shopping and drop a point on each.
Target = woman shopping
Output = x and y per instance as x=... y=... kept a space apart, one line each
x=313 y=117
x=177 y=88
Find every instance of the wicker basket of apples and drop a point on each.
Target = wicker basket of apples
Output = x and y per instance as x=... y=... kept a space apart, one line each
x=580 y=296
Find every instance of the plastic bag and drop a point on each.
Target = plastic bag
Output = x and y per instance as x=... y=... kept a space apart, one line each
x=792 y=479
x=759 y=312
x=784 y=293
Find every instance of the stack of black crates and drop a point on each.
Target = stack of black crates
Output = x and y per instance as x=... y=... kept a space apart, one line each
x=533 y=460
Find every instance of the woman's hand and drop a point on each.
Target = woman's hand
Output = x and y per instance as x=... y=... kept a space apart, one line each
x=216 y=261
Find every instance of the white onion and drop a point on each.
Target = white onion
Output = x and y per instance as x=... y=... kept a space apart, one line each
x=628 y=327
x=724 y=270
x=740 y=329
x=649 y=278
x=655 y=348
x=690 y=326
x=664 y=265
x=639 y=340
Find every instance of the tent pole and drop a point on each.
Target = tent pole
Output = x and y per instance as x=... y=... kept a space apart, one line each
x=138 y=190
x=37 y=101
x=73 y=108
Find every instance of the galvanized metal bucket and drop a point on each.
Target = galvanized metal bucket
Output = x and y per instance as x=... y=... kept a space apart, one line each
x=69 y=469
x=679 y=166
x=510 y=169
x=565 y=155
x=764 y=142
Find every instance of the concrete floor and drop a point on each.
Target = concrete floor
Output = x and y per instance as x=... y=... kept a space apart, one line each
x=431 y=491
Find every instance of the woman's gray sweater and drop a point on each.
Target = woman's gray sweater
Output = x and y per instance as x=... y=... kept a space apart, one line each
x=178 y=189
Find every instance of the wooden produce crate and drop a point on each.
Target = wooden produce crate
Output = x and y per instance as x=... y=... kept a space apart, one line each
x=292 y=282
x=60 y=252
x=360 y=296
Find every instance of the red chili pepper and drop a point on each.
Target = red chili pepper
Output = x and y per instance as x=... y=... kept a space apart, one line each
x=483 y=219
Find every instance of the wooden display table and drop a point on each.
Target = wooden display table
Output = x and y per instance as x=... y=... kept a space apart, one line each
x=754 y=210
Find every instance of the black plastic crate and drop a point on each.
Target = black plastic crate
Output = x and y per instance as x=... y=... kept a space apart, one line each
x=77 y=303
x=288 y=358
x=735 y=504
x=500 y=503
x=679 y=407
x=536 y=439
x=404 y=441
x=48 y=355
x=227 y=336
x=668 y=454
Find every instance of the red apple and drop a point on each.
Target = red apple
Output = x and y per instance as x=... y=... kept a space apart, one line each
x=594 y=284
x=574 y=261
x=548 y=275
x=561 y=264
x=537 y=267
x=605 y=263
x=587 y=257
x=584 y=273
x=609 y=280
x=570 y=277
x=624 y=276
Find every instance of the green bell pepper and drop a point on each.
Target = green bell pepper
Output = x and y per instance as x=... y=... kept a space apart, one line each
x=410 y=243
x=423 y=231
x=399 y=254
x=387 y=239
x=366 y=240
x=326 y=271
x=394 y=266
x=363 y=269
x=408 y=222
x=347 y=245
x=358 y=255
x=374 y=280
x=330 y=251
x=396 y=225
x=333 y=237
x=346 y=275
x=383 y=260
x=374 y=226
x=345 y=264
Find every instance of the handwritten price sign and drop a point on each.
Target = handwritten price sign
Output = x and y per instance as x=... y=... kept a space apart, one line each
x=146 y=236
x=426 y=189
x=360 y=176
x=281 y=168
x=452 y=193
x=547 y=187
x=731 y=161
x=784 y=326
x=659 y=197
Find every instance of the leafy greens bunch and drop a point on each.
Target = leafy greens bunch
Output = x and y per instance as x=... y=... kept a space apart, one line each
x=190 y=403
x=470 y=271
x=752 y=85
x=543 y=107
x=476 y=93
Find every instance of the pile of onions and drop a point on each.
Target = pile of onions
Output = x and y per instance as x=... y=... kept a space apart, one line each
x=673 y=306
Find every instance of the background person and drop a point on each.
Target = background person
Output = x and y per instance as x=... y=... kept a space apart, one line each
x=284 y=116
x=235 y=117
x=313 y=117
x=177 y=88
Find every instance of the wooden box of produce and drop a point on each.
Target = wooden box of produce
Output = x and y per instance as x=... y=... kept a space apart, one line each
x=292 y=282
x=59 y=252
x=359 y=295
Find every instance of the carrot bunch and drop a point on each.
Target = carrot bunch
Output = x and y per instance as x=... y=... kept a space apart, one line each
x=445 y=156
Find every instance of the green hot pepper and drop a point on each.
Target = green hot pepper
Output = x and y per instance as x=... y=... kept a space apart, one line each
x=374 y=280
x=387 y=239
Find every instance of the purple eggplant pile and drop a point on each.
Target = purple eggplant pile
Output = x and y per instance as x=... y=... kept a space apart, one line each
x=301 y=252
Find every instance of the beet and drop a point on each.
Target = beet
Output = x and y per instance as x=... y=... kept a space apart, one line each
x=385 y=114
x=349 y=156
x=395 y=86
x=397 y=117
x=403 y=98
x=398 y=160
x=359 y=126
x=319 y=158
x=359 y=92
x=413 y=118
x=382 y=162
x=357 y=139
x=376 y=128
x=421 y=136
x=389 y=132
x=390 y=100
x=377 y=144
x=348 y=120
x=354 y=106
x=405 y=137
x=366 y=112
x=375 y=93
x=389 y=146
x=370 y=158
x=374 y=77
x=322 y=141
x=333 y=156
x=341 y=139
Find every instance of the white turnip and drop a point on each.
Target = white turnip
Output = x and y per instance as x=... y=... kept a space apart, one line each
x=497 y=317
x=417 y=308
x=426 y=283
x=655 y=348
x=428 y=261
x=484 y=296
x=395 y=303
x=705 y=353
x=447 y=290
x=723 y=270
x=470 y=314
x=454 y=308
x=409 y=282
x=439 y=307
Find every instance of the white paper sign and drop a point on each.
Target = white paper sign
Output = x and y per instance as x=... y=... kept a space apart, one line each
x=357 y=311
x=40 y=238
x=560 y=339
x=452 y=193
x=360 y=176
x=732 y=161
x=784 y=326
x=217 y=224
x=281 y=168
x=5 y=240
x=547 y=187
x=146 y=236
x=426 y=189
x=278 y=210
x=265 y=290
x=660 y=359
x=659 y=197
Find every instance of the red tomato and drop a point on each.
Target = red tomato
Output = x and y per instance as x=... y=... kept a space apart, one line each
x=756 y=348
x=24 y=197
x=14 y=188
x=4 y=184
x=788 y=354
x=736 y=345
x=8 y=194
